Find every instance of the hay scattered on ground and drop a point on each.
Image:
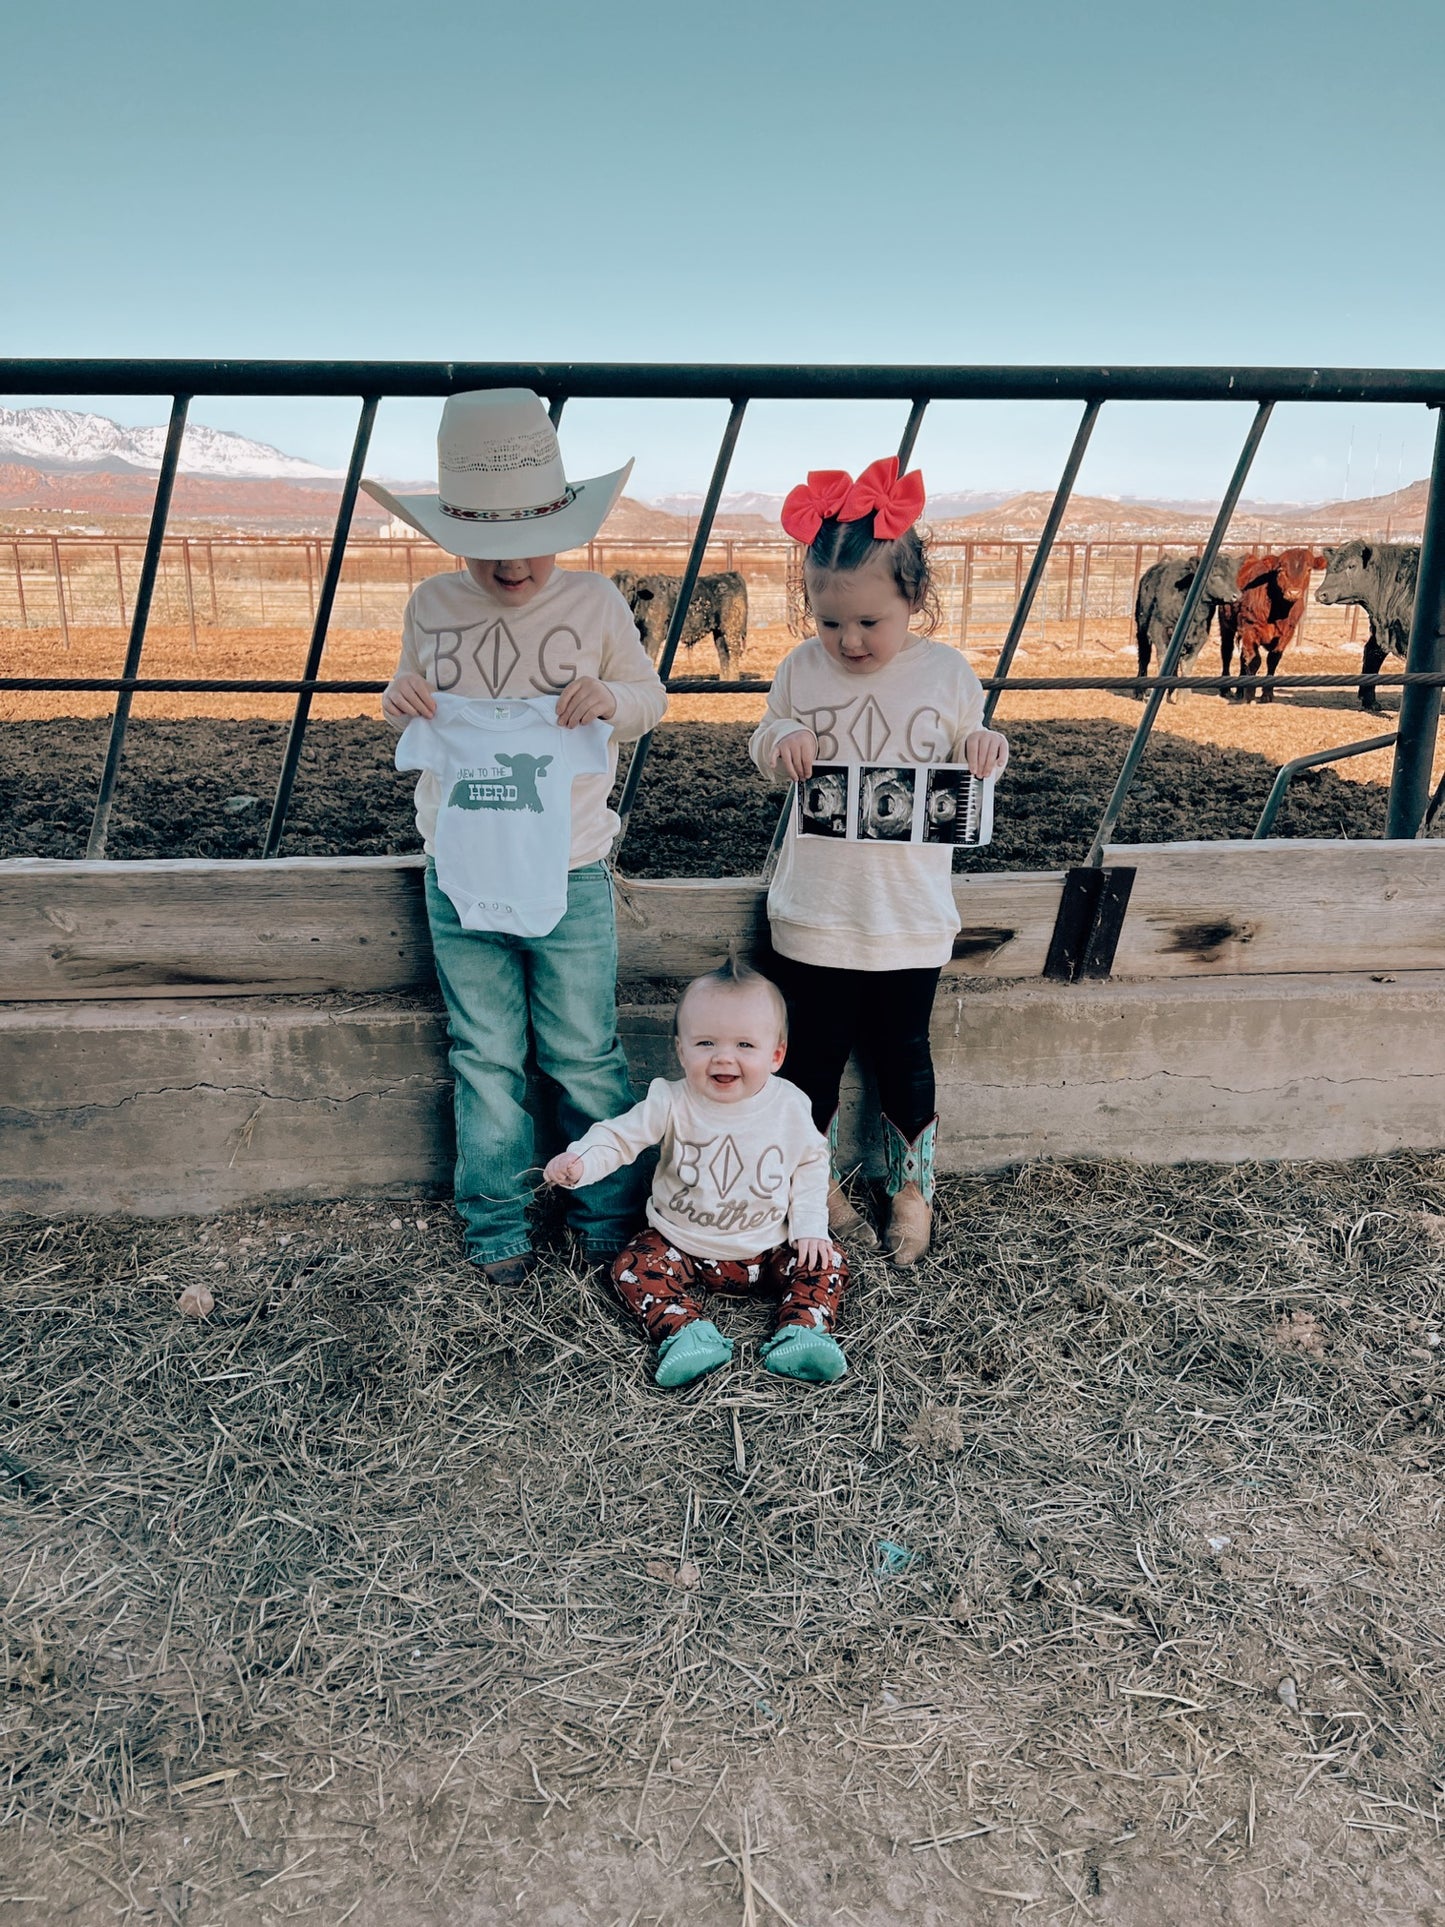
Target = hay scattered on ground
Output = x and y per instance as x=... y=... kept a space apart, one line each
x=1113 y=1558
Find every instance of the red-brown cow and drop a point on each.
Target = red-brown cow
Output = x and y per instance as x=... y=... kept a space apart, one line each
x=1273 y=591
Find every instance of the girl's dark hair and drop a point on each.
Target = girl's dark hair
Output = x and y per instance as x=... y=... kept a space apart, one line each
x=845 y=546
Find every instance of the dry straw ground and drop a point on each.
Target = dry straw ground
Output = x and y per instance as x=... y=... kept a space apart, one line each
x=1106 y=1585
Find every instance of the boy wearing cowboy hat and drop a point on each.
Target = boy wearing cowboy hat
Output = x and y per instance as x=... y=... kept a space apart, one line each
x=511 y=628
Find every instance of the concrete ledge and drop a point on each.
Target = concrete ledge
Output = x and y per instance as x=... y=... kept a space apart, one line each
x=173 y=1106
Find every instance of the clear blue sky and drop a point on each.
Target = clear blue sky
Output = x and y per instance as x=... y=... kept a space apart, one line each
x=1243 y=181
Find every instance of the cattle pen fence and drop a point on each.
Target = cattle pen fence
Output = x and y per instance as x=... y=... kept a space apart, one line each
x=212 y=582
x=182 y=1034
x=738 y=385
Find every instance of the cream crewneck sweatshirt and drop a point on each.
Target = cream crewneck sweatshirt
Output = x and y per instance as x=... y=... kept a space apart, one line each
x=466 y=644
x=868 y=906
x=733 y=1180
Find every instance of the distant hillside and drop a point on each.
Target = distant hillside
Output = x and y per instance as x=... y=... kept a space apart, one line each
x=101 y=493
x=1089 y=518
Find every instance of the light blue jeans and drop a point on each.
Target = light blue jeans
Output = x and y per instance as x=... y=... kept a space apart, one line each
x=557 y=995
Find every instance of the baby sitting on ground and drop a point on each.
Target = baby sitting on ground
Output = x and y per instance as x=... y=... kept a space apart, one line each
x=740 y=1201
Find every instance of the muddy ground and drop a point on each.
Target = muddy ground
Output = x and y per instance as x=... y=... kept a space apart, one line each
x=202 y=788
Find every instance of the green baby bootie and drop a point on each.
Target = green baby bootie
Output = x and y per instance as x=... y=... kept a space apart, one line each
x=798 y=1352
x=694 y=1349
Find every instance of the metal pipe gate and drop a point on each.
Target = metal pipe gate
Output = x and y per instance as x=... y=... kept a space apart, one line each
x=738 y=384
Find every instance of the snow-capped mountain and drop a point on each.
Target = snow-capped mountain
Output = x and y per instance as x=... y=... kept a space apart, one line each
x=63 y=438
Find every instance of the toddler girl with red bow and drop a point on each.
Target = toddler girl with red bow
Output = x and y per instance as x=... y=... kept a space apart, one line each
x=861 y=930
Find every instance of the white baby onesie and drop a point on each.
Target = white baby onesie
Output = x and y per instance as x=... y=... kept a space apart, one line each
x=504 y=826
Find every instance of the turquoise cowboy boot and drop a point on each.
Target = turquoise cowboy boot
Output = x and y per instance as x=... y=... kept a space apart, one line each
x=910 y=1186
x=843 y=1221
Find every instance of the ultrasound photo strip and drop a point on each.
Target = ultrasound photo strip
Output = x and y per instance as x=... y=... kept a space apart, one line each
x=895 y=803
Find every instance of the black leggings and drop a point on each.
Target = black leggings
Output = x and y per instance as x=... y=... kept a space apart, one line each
x=882 y=1014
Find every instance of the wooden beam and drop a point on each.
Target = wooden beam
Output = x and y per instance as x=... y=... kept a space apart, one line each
x=186 y=927
x=168 y=1106
x=1281 y=906
x=193 y=928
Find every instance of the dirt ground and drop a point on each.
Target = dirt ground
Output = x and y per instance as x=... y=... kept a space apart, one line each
x=203 y=788
x=197 y=783
x=1106 y=1586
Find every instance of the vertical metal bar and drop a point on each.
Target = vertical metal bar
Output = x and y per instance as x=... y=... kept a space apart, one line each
x=910 y=432
x=211 y=572
x=145 y=588
x=20 y=585
x=1041 y=555
x=325 y=600
x=684 y=600
x=967 y=594
x=119 y=583
x=1420 y=706
x=1069 y=583
x=60 y=594
x=1181 y=630
x=554 y=412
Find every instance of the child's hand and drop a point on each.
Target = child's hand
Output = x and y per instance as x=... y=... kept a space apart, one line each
x=796 y=753
x=564 y=1169
x=816 y=1254
x=585 y=701
x=408 y=695
x=985 y=752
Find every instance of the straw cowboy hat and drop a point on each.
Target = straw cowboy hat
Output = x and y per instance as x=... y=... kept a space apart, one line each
x=503 y=492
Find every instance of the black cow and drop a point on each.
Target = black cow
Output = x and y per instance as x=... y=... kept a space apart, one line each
x=1380 y=577
x=1159 y=604
x=719 y=608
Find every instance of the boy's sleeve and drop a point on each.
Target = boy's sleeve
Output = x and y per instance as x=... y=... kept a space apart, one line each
x=628 y=673
x=410 y=659
x=616 y=1141
x=778 y=722
x=808 y=1201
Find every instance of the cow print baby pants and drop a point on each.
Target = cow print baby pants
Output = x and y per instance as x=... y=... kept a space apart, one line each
x=663 y=1285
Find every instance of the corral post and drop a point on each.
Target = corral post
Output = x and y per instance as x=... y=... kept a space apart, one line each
x=190 y=587
x=119 y=582
x=20 y=585
x=60 y=594
x=1420 y=704
x=1084 y=594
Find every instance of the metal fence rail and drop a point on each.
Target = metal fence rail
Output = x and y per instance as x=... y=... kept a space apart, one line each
x=210 y=582
x=739 y=384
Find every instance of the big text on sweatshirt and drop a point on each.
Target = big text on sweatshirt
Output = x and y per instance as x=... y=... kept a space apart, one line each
x=463 y=642
x=732 y=1180
x=868 y=906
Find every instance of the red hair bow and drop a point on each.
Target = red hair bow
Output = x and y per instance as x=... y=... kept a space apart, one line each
x=814 y=502
x=895 y=501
